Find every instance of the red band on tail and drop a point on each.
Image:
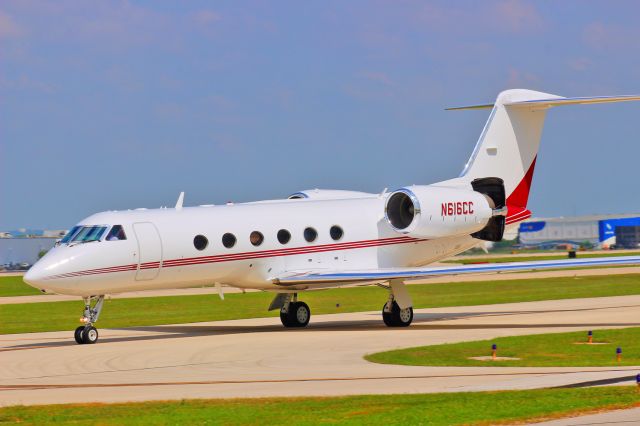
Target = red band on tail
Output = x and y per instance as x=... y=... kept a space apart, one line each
x=520 y=195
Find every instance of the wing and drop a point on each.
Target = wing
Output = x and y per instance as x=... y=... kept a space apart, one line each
x=377 y=275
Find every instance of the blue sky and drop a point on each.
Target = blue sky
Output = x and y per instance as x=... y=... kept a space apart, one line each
x=115 y=105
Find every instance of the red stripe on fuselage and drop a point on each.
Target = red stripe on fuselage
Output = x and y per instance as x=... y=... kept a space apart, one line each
x=244 y=256
x=122 y=268
x=333 y=246
x=289 y=251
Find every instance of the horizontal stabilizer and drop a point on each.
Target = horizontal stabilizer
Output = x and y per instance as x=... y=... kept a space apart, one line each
x=355 y=276
x=547 y=103
x=559 y=101
x=485 y=106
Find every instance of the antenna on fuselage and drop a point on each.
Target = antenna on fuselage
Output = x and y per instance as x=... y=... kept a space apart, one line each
x=180 y=201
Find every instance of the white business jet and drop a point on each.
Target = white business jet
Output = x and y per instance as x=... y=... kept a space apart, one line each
x=318 y=238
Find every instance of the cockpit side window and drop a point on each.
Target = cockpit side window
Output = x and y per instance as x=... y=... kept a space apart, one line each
x=116 y=233
x=72 y=232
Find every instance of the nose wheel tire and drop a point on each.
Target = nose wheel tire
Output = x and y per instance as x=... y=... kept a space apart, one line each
x=397 y=317
x=78 y=334
x=298 y=315
x=89 y=335
x=86 y=335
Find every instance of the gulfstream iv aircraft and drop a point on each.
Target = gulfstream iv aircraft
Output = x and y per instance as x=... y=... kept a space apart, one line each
x=318 y=238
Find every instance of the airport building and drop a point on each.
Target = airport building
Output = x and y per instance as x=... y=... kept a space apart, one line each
x=601 y=231
x=23 y=250
x=24 y=246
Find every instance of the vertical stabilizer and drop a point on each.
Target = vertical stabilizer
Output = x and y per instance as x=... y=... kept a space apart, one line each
x=508 y=145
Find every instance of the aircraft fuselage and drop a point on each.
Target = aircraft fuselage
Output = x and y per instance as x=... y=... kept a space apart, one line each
x=159 y=250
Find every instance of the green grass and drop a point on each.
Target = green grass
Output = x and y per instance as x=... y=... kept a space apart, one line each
x=468 y=408
x=49 y=316
x=539 y=350
x=509 y=259
x=14 y=286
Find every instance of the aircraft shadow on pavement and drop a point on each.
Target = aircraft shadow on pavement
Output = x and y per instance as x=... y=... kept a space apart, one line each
x=448 y=316
x=421 y=322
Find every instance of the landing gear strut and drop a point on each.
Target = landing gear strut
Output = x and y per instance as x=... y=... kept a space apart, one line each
x=294 y=313
x=88 y=334
x=392 y=314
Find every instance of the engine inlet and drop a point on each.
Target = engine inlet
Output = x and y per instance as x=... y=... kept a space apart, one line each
x=401 y=209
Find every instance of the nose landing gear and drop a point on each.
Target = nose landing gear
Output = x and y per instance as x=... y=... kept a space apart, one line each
x=88 y=334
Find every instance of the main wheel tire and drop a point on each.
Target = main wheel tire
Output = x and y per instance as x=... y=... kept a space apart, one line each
x=298 y=316
x=397 y=317
x=301 y=314
x=78 y=334
x=285 y=319
x=89 y=335
x=387 y=317
x=402 y=317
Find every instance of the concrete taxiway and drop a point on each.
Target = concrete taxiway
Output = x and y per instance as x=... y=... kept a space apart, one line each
x=616 y=417
x=258 y=357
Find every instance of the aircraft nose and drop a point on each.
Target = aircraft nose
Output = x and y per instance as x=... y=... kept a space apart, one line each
x=35 y=276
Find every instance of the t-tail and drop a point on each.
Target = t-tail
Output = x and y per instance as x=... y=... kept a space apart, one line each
x=505 y=154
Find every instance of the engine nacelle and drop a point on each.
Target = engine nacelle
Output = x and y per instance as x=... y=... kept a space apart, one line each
x=329 y=194
x=435 y=212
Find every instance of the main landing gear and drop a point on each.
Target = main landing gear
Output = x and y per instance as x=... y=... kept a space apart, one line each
x=294 y=313
x=87 y=333
x=393 y=314
x=397 y=312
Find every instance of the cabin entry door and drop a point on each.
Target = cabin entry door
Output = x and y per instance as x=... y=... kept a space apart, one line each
x=149 y=251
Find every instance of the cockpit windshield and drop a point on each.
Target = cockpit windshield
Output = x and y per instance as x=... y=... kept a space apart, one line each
x=88 y=233
x=73 y=231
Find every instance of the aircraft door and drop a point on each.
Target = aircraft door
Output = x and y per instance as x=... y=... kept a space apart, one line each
x=149 y=251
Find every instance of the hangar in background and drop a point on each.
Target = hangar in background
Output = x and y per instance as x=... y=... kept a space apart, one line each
x=598 y=230
x=23 y=250
x=26 y=245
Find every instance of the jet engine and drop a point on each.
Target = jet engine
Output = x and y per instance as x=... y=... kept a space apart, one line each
x=424 y=211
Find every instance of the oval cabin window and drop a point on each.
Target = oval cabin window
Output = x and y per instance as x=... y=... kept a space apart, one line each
x=284 y=236
x=228 y=240
x=256 y=238
x=200 y=242
x=310 y=234
x=336 y=232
